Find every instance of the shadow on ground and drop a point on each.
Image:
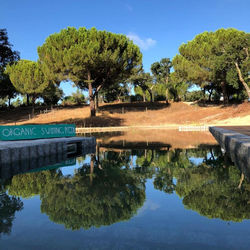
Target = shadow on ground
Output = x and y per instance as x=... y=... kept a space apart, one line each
x=98 y=121
x=132 y=107
x=205 y=104
x=14 y=115
x=21 y=114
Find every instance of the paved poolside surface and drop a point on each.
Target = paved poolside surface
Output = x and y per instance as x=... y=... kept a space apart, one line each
x=239 y=129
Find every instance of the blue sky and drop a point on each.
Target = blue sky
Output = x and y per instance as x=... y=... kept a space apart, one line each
x=159 y=27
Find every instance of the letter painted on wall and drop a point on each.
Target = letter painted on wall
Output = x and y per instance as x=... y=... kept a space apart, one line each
x=29 y=132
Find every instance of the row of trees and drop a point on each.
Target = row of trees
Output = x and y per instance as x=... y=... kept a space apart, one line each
x=23 y=77
x=7 y=56
x=216 y=62
x=107 y=65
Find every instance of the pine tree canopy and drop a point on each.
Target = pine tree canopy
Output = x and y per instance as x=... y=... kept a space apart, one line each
x=219 y=59
x=27 y=77
x=90 y=58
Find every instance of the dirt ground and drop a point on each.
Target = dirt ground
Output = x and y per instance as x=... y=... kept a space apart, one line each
x=134 y=114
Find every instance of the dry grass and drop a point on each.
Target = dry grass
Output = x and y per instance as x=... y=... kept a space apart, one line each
x=136 y=114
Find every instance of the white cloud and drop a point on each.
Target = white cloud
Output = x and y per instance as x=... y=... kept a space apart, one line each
x=149 y=205
x=143 y=44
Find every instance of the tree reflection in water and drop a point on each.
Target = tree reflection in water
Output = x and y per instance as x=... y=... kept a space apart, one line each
x=211 y=188
x=8 y=207
x=95 y=195
x=111 y=188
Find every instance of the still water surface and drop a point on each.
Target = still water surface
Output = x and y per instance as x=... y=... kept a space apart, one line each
x=133 y=197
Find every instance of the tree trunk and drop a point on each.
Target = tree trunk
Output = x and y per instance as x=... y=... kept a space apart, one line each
x=96 y=100
x=204 y=96
x=91 y=97
x=210 y=94
x=101 y=99
x=166 y=95
x=9 y=101
x=152 y=155
x=150 y=90
x=242 y=80
x=224 y=91
x=28 y=100
x=132 y=162
x=212 y=154
x=151 y=95
x=167 y=89
x=98 y=156
x=144 y=97
x=33 y=106
x=241 y=180
x=92 y=160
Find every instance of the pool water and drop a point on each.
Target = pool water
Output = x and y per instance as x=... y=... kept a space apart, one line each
x=133 y=198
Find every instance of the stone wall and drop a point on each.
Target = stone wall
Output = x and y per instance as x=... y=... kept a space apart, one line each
x=236 y=145
x=22 y=156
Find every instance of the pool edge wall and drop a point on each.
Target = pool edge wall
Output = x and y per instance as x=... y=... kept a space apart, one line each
x=235 y=144
x=22 y=156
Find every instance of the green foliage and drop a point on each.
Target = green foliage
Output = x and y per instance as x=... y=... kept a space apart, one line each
x=52 y=94
x=68 y=101
x=143 y=85
x=76 y=98
x=141 y=94
x=17 y=103
x=216 y=193
x=161 y=70
x=8 y=206
x=195 y=95
x=210 y=59
x=3 y=102
x=27 y=77
x=6 y=87
x=112 y=187
x=168 y=85
x=117 y=92
x=30 y=184
x=25 y=100
x=92 y=59
x=159 y=91
x=91 y=197
x=112 y=196
x=7 y=56
x=209 y=187
x=161 y=73
x=177 y=88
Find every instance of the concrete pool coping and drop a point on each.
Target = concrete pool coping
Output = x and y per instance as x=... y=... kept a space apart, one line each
x=24 y=155
x=245 y=130
x=235 y=142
